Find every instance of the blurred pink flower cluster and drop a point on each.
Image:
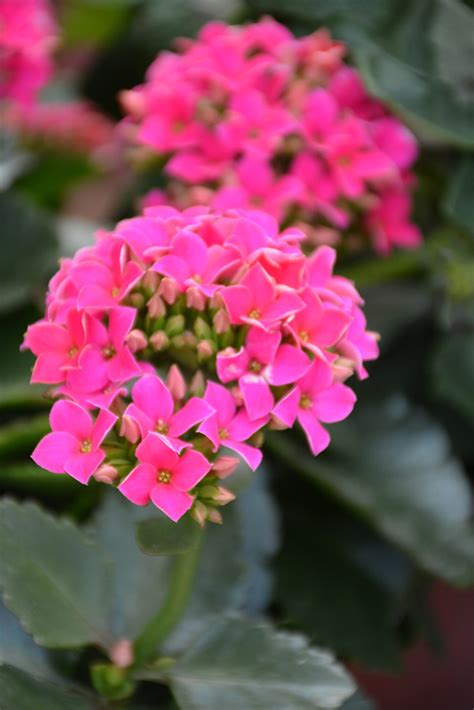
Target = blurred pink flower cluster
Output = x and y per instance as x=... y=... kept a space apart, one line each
x=252 y=117
x=27 y=37
x=248 y=331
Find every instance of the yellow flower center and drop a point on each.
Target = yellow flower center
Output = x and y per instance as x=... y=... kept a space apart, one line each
x=223 y=434
x=255 y=366
x=72 y=353
x=86 y=446
x=304 y=336
x=255 y=314
x=164 y=477
x=108 y=352
x=115 y=292
x=197 y=278
x=305 y=402
x=161 y=427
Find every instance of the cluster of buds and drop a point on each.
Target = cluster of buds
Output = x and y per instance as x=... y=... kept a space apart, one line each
x=253 y=118
x=27 y=37
x=73 y=126
x=248 y=332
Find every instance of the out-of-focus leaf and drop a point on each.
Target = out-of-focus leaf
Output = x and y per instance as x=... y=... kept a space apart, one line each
x=21 y=436
x=453 y=372
x=391 y=307
x=53 y=578
x=340 y=583
x=394 y=466
x=94 y=22
x=160 y=536
x=452 y=35
x=18 y=649
x=28 y=249
x=358 y=702
x=21 y=691
x=239 y=664
x=459 y=202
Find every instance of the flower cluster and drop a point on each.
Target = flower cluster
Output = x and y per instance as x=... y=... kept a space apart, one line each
x=248 y=331
x=27 y=36
x=251 y=117
x=74 y=126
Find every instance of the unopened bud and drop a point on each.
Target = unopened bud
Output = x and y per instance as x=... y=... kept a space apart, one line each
x=221 y=321
x=133 y=102
x=156 y=306
x=169 y=289
x=129 y=429
x=151 y=280
x=159 y=340
x=216 y=302
x=201 y=328
x=205 y=350
x=175 y=325
x=257 y=439
x=121 y=654
x=137 y=300
x=198 y=384
x=237 y=395
x=223 y=496
x=214 y=516
x=276 y=424
x=176 y=383
x=106 y=473
x=195 y=299
x=209 y=492
x=136 y=340
x=199 y=512
x=342 y=369
x=225 y=465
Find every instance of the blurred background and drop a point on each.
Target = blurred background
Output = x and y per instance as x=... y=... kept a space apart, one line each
x=372 y=543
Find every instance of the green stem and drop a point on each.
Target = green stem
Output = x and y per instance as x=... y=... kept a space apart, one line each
x=158 y=628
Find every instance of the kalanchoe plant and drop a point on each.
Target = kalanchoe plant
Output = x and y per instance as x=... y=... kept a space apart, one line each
x=249 y=332
x=252 y=117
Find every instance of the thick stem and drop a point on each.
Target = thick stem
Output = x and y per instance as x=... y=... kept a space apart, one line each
x=158 y=628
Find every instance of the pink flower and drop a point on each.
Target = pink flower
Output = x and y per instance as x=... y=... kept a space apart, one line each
x=261 y=363
x=390 y=223
x=56 y=346
x=257 y=301
x=73 y=446
x=314 y=399
x=318 y=326
x=230 y=428
x=164 y=477
x=153 y=410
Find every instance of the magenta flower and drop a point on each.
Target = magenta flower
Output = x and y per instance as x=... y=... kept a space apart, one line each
x=316 y=398
x=230 y=428
x=153 y=410
x=56 y=346
x=73 y=446
x=164 y=477
x=318 y=326
x=261 y=363
x=257 y=301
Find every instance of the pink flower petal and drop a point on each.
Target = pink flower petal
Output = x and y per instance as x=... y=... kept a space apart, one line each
x=152 y=396
x=285 y=305
x=334 y=403
x=191 y=468
x=171 y=501
x=231 y=367
x=155 y=451
x=318 y=377
x=123 y=366
x=242 y=428
x=102 y=425
x=331 y=327
x=257 y=395
x=70 y=417
x=289 y=365
x=287 y=408
x=121 y=320
x=81 y=466
x=251 y=455
x=261 y=345
x=174 y=267
x=317 y=436
x=139 y=483
x=53 y=450
x=45 y=337
x=49 y=368
x=194 y=411
x=261 y=287
x=222 y=401
x=238 y=301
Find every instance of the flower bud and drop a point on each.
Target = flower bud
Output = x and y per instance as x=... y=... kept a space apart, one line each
x=121 y=653
x=276 y=424
x=195 y=299
x=176 y=383
x=199 y=512
x=221 y=321
x=106 y=474
x=201 y=328
x=159 y=340
x=169 y=289
x=205 y=350
x=223 y=496
x=136 y=340
x=216 y=302
x=151 y=280
x=175 y=325
x=214 y=516
x=257 y=439
x=198 y=384
x=209 y=492
x=132 y=102
x=137 y=300
x=237 y=395
x=156 y=306
x=129 y=429
x=225 y=465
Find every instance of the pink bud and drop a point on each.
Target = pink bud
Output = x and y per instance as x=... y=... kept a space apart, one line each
x=136 y=340
x=133 y=102
x=199 y=512
x=214 y=516
x=169 y=289
x=225 y=465
x=221 y=321
x=156 y=307
x=159 y=340
x=217 y=301
x=129 y=429
x=224 y=496
x=121 y=654
x=276 y=424
x=151 y=280
x=176 y=383
x=237 y=394
x=205 y=349
x=342 y=369
x=106 y=473
x=195 y=299
x=198 y=384
x=137 y=300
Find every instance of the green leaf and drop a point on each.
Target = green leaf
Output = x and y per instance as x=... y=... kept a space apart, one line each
x=94 y=22
x=340 y=583
x=240 y=664
x=21 y=691
x=452 y=32
x=28 y=249
x=394 y=466
x=458 y=204
x=160 y=536
x=53 y=578
x=18 y=649
x=358 y=702
x=453 y=372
